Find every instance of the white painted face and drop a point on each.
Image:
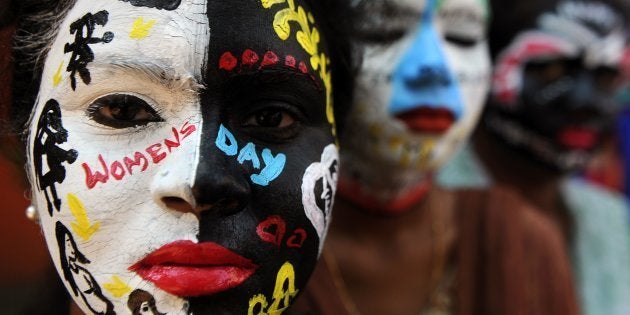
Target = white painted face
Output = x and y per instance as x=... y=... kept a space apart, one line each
x=130 y=160
x=420 y=91
x=129 y=128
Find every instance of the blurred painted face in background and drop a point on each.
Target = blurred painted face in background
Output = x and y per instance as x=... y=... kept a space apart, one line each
x=554 y=86
x=182 y=154
x=420 y=90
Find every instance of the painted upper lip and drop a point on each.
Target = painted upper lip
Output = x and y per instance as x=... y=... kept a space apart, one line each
x=578 y=137
x=434 y=120
x=185 y=268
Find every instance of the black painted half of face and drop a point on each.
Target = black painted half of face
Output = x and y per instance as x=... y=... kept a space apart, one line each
x=275 y=107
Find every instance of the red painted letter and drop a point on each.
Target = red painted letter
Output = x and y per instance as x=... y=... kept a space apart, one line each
x=137 y=159
x=92 y=178
x=154 y=152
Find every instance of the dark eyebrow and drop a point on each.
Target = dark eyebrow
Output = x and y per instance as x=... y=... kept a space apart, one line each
x=276 y=74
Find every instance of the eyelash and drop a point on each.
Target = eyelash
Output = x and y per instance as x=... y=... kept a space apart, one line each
x=123 y=102
x=461 y=41
x=273 y=134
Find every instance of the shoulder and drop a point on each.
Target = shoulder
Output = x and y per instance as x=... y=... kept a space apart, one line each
x=517 y=253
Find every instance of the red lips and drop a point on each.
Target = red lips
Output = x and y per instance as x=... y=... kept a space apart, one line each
x=428 y=120
x=187 y=269
x=578 y=138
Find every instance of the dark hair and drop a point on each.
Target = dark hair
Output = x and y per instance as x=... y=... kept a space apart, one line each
x=39 y=21
x=37 y=26
x=336 y=20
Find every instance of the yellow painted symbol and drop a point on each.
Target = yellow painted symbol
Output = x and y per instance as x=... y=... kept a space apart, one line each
x=140 y=28
x=57 y=76
x=82 y=226
x=117 y=287
x=395 y=142
x=283 y=294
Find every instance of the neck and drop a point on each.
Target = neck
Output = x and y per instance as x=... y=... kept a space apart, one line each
x=392 y=264
x=538 y=184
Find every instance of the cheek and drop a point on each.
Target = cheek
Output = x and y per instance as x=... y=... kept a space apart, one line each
x=471 y=67
x=374 y=82
x=94 y=190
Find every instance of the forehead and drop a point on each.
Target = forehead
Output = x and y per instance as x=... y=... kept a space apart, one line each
x=179 y=34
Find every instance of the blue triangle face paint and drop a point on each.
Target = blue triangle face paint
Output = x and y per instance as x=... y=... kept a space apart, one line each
x=423 y=77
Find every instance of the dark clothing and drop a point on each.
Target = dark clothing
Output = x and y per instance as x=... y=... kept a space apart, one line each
x=511 y=259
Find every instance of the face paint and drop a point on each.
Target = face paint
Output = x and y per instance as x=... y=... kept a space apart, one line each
x=553 y=87
x=419 y=93
x=183 y=162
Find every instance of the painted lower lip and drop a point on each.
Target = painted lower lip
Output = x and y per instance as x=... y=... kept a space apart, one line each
x=188 y=269
x=578 y=138
x=428 y=119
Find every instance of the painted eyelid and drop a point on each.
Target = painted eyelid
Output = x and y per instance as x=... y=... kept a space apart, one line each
x=474 y=28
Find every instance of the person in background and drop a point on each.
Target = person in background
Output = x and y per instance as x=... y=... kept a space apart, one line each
x=553 y=102
x=398 y=244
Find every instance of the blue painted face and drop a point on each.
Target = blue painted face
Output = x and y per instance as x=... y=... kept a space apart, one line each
x=420 y=90
x=423 y=77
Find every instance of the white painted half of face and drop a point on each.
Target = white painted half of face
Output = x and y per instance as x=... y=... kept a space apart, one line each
x=382 y=152
x=319 y=185
x=123 y=219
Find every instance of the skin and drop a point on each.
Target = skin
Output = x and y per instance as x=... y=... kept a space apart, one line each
x=588 y=60
x=391 y=258
x=442 y=40
x=177 y=110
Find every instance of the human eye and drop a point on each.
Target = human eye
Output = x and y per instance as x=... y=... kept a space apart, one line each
x=607 y=78
x=122 y=111
x=382 y=23
x=550 y=69
x=273 y=121
x=463 y=27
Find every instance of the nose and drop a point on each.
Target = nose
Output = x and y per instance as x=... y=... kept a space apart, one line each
x=198 y=185
x=220 y=185
x=423 y=76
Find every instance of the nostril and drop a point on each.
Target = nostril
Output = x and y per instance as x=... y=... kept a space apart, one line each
x=228 y=205
x=178 y=204
x=223 y=206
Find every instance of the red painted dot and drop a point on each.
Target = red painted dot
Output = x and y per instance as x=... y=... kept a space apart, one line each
x=227 y=61
x=270 y=58
x=303 y=67
x=250 y=57
x=289 y=61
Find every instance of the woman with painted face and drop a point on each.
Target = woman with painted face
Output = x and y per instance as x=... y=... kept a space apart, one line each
x=398 y=244
x=552 y=103
x=182 y=154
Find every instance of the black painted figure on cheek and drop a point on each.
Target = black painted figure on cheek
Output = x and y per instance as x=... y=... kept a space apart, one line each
x=50 y=134
x=82 y=283
x=554 y=84
x=195 y=160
